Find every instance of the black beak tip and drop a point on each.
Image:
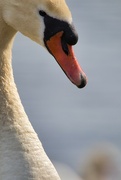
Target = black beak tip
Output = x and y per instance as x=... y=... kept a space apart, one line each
x=83 y=81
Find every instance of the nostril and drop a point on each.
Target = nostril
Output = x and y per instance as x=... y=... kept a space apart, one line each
x=64 y=45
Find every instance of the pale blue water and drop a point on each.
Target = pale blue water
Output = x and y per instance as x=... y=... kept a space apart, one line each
x=70 y=120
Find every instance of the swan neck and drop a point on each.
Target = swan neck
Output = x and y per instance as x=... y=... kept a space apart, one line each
x=21 y=153
x=9 y=97
x=7 y=35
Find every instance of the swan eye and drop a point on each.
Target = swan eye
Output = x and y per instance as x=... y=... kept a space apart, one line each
x=42 y=13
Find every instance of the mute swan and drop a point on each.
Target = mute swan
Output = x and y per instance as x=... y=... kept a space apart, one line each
x=49 y=23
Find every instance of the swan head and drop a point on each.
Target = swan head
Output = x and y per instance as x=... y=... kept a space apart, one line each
x=49 y=23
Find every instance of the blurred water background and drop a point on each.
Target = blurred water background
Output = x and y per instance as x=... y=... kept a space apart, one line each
x=69 y=120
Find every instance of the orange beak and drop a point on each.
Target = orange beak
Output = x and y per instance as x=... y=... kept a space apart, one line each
x=67 y=61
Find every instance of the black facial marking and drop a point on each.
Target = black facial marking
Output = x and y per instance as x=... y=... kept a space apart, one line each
x=42 y=13
x=53 y=26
